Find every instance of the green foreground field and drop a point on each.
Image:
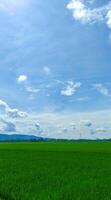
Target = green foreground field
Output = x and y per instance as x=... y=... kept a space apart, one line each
x=55 y=171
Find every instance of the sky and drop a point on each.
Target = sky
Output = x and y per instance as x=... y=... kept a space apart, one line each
x=55 y=60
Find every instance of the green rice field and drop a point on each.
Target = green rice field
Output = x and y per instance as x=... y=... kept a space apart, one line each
x=55 y=171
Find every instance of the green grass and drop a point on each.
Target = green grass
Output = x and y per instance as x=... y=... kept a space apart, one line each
x=55 y=171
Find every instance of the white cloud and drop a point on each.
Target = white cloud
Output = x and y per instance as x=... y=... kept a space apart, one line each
x=101 y=89
x=32 y=90
x=37 y=125
x=108 y=19
x=69 y=125
x=101 y=130
x=71 y=88
x=9 y=127
x=86 y=123
x=82 y=12
x=73 y=126
x=13 y=113
x=65 y=130
x=47 y=70
x=79 y=10
x=60 y=125
x=38 y=128
x=3 y=104
x=28 y=88
x=22 y=78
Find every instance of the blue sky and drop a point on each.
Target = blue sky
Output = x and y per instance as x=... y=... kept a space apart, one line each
x=55 y=60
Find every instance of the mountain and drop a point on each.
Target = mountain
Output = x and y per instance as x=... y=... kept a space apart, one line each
x=32 y=138
x=19 y=137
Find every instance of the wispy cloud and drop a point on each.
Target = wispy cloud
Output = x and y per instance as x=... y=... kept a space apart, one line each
x=83 y=99
x=71 y=88
x=83 y=12
x=101 y=89
x=23 y=79
x=32 y=90
x=108 y=19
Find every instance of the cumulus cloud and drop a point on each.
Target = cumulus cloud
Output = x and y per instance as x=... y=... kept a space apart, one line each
x=86 y=123
x=57 y=125
x=9 y=127
x=65 y=130
x=4 y=105
x=71 y=88
x=108 y=19
x=101 y=130
x=101 y=133
x=83 y=12
x=22 y=78
x=12 y=112
x=73 y=126
x=101 y=89
x=38 y=129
